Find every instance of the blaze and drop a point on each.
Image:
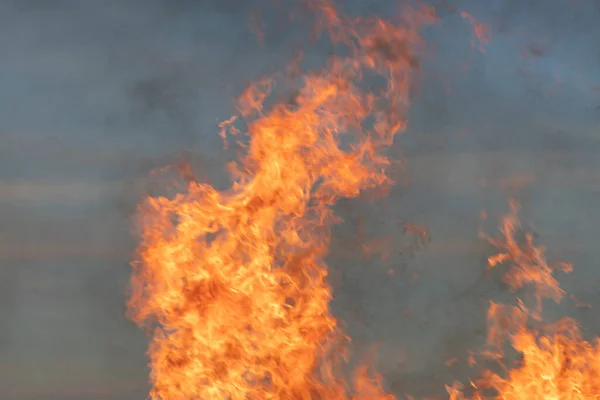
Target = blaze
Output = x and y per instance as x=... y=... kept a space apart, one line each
x=555 y=362
x=233 y=284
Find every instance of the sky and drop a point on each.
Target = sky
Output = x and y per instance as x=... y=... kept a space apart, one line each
x=96 y=94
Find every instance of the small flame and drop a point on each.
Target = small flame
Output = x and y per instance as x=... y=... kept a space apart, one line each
x=528 y=264
x=556 y=362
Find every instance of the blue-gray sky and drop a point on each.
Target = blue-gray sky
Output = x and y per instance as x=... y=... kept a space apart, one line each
x=95 y=94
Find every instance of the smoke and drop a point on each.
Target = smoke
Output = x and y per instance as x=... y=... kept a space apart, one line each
x=97 y=94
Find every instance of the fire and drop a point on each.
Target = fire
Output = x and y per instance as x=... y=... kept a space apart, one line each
x=556 y=362
x=232 y=283
x=528 y=264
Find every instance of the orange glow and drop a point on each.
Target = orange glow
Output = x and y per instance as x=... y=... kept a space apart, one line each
x=233 y=283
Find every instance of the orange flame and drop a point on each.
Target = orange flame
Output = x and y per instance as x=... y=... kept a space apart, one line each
x=233 y=283
x=528 y=264
x=556 y=363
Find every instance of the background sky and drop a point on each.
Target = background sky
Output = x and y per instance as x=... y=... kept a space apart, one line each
x=95 y=94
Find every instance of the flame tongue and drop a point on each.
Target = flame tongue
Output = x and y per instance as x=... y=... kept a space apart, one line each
x=235 y=281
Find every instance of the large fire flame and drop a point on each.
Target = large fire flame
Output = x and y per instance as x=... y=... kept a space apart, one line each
x=232 y=284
